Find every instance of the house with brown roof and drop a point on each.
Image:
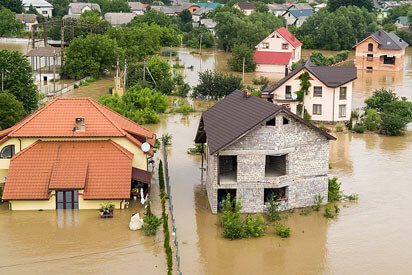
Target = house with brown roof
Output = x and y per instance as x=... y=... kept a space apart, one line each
x=28 y=20
x=381 y=51
x=277 y=52
x=73 y=154
x=330 y=94
x=256 y=149
x=245 y=7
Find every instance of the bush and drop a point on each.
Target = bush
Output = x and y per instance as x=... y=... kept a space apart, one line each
x=339 y=128
x=272 y=209
x=260 y=81
x=184 y=109
x=233 y=226
x=305 y=211
x=329 y=213
x=317 y=201
x=334 y=193
x=183 y=90
x=282 y=230
x=351 y=197
x=359 y=128
x=150 y=224
x=372 y=120
x=379 y=98
x=166 y=139
x=254 y=226
x=215 y=85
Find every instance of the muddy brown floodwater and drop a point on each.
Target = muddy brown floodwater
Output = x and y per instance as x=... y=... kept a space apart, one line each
x=372 y=236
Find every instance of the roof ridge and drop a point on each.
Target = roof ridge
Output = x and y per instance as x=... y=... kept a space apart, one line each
x=96 y=105
x=25 y=149
x=123 y=150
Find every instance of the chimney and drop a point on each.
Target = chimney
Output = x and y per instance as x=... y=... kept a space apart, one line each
x=379 y=33
x=246 y=93
x=80 y=124
x=286 y=71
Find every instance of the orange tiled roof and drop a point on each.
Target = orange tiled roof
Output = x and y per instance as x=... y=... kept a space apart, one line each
x=102 y=168
x=56 y=119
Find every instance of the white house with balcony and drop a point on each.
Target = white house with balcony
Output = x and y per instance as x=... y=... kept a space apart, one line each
x=42 y=7
x=330 y=94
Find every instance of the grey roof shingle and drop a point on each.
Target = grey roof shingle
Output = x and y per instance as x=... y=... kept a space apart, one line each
x=136 y=6
x=119 y=18
x=27 y=18
x=76 y=8
x=389 y=41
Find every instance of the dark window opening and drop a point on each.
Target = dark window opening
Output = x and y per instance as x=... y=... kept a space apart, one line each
x=288 y=92
x=275 y=166
x=222 y=195
x=7 y=152
x=271 y=122
x=369 y=68
x=227 y=169
x=370 y=47
x=389 y=60
x=317 y=91
x=285 y=121
x=369 y=57
x=67 y=199
x=279 y=194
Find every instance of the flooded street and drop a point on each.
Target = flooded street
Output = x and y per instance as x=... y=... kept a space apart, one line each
x=370 y=236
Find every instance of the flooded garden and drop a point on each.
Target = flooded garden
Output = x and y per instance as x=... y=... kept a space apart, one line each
x=372 y=234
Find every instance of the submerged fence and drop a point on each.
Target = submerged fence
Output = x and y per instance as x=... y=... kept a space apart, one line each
x=170 y=200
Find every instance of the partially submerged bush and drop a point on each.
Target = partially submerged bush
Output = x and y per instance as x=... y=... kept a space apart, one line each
x=317 y=201
x=282 y=230
x=359 y=128
x=150 y=224
x=339 y=128
x=233 y=227
x=329 y=213
x=272 y=209
x=254 y=226
x=334 y=193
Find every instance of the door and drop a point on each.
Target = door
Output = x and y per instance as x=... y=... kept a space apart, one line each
x=67 y=199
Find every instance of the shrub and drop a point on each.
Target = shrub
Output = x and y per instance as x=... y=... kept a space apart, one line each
x=317 y=201
x=351 y=197
x=216 y=85
x=305 y=211
x=359 y=128
x=282 y=230
x=75 y=86
x=329 y=213
x=379 y=98
x=254 y=226
x=339 y=128
x=260 y=81
x=372 y=120
x=337 y=209
x=183 y=90
x=150 y=224
x=184 y=109
x=334 y=193
x=272 y=209
x=322 y=127
x=166 y=139
x=233 y=226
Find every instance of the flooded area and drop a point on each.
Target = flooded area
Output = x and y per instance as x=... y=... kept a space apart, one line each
x=372 y=235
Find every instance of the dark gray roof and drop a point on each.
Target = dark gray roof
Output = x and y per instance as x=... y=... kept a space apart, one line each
x=331 y=76
x=389 y=41
x=234 y=116
x=246 y=6
x=301 y=13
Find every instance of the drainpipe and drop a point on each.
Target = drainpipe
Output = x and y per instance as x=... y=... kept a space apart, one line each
x=218 y=170
x=333 y=109
x=20 y=144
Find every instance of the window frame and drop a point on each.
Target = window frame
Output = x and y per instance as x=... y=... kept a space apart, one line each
x=285 y=46
x=13 y=151
x=340 y=113
x=316 y=92
x=288 y=90
x=370 y=47
x=341 y=90
x=320 y=109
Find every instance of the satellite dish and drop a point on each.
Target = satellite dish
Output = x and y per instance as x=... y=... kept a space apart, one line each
x=294 y=96
x=145 y=147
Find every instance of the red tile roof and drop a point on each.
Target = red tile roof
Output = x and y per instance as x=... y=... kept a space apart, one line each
x=273 y=58
x=102 y=168
x=57 y=119
x=289 y=37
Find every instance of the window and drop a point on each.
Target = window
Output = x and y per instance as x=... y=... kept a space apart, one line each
x=44 y=12
x=285 y=46
x=285 y=121
x=279 y=194
x=222 y=195
x=342 y=93
x=370 y=47
x=7 y=152
x=369 y=57
x=271 y=122
x=342 y=110
x=275 y=166
x=317 y=109
x=388 y=60
x=317 y=91
x=227 y=169
x=265 y=45
x=369 y=68
x=288 y=92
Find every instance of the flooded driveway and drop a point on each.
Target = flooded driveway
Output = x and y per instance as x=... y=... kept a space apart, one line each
x=370 y=236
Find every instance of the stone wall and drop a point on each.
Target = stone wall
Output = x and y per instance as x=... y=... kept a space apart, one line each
x=307 y=154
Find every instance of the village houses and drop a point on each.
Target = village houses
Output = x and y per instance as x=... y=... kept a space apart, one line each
x=73 y=154
x=256 y=150
x=42 y=7
x=137 y=8
x=245 y=7
x=76 y=9
x=381 y=51
x=118 y=19
x=28 y=20
x=330 y=94
x=297 y=14
x=277 y=52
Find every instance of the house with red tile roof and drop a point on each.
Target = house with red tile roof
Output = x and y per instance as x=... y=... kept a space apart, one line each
x=73 y=154
x=277 y=52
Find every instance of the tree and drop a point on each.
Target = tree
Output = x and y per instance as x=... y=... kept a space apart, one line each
x=91 y=22
x=155 y=17
x=90 y=56
x=241 y=52
x=379 y=98
x=9 y=25
x=335 y=4
x=13 y=5
x=60 y=7
x=192 y=38
x=18 y=78
x=11 y=110
x=112 y=5
x=216 y=85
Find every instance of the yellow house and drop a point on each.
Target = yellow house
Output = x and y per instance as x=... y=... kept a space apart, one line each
x=73 y=153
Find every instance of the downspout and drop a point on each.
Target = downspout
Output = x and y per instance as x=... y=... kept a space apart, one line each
x=218 y=168
x=20 y=144
x=333 y=109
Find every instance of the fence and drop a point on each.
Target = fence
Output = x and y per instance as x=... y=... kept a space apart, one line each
x=65 y=88
x=169 y=193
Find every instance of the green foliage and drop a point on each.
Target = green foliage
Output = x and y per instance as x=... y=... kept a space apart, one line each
x=155 y=17
x=248 y=30
x=282 y=230
x=233 y=226
x=329 y=213
x=405 y=35
x=320 y=60
x=359 y=128
x=11 y=110
x=90 y=56
x=260 y=81
x=254 y=226
x=335 y=4
x=183 y=90
x=192 y=38
x=9 y=25
x=150 y=224
x=166 y=139
x=107 y=207
x=184 y=109
x=339 y=128
x=60 y=7
x=393 y=124
x=351 y=197
x=305 y=211
x=304 y=85
x=317 y=202
x=13 y=5
x=272 y=209
x=18 y=79
x=216 y=85
x=334 y=193
x=372 y=120
x=379 y=98
x=338 y=30
x=112 y=5
x=240 y=52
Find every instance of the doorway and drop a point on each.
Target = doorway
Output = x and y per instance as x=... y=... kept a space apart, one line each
x=67 y=199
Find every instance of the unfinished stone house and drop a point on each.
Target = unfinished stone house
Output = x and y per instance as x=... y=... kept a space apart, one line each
x=257 y=149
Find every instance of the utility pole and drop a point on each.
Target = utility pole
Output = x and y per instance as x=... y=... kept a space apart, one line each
x=2 y=79
x=54 y=71
x=200 y=44
x=144 y=70
x=125 y=74
x=45 y=33
x=117 y=76
x=243 y=70
x=33 y=37
x=62 y=44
